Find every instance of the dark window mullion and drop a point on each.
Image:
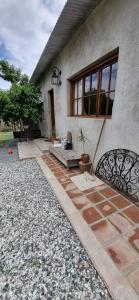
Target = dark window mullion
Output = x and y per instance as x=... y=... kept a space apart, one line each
x=83 y=94
x=108 y=97
x=72 y=97
x=90 y=94
x=77 y=95
x=99 y=93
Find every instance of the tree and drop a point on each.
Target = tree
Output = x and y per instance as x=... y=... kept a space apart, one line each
x=9 y=72
x=20 y=105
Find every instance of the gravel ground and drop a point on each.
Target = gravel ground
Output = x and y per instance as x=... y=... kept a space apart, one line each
x=41 y=256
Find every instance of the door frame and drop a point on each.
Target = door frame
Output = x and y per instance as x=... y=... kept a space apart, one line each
x=52 y=111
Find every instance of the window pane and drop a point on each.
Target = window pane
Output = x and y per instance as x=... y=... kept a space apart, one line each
x=111 y=99
x=80 y=107
x=94 y=83
x=86 y=105
x=105 y=79
x=80 y=88
x=103 y=104
x=113 y=76
x=87 y=85
x=75 y=107
x=93 y=104
x=75 y=90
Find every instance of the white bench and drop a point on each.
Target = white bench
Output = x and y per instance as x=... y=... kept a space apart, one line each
x=69 y=158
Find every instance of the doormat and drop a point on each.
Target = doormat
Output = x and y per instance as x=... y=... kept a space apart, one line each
x=86 y=181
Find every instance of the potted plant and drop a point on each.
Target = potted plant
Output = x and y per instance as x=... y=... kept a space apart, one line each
x=84 y=157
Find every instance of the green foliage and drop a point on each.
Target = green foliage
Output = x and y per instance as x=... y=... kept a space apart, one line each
x=20 y=105
x=9 y=72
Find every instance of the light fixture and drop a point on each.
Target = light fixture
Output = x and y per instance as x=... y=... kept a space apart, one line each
x=56 y=77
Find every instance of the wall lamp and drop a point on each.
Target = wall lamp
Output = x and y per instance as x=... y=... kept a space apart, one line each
x=56 y=77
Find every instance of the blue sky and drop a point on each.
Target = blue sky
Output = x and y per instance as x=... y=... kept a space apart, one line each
x=25 y=27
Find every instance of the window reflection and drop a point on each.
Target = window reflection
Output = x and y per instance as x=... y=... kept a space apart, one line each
x=93 y=99
x=103 y=104
x=111 y=100
x=80 y=88
x=75 y=90
x=79 y=106
x=87 y=86
x=113 y=76
x=94 y=93
x=94 y=83
x=105 y=79
x=86 y=105
x=75 y=107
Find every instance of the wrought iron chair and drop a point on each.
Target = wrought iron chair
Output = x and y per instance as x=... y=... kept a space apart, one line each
x=120 y=167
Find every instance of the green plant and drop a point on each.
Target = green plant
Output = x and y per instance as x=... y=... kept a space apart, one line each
x=82 y=139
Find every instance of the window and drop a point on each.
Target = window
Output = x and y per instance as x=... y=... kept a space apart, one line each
x=93 y=93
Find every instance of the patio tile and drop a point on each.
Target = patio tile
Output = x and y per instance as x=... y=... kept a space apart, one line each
x=68 y=186
x=95 y=197
x=101 y=187
x=106 y=208
x=64 y=179
x=74 y=193
x=104 y=231
x=132 y=213
x=69 y=172
x=133 y=239
x=91 y=215
x=51 y=164
x=120 y=201
x=59 y=174
x=121 y=254
x=120 y=222
x=80 y=202
x=89 y=191
x=55 y=169
x=63 y=168
x=108 y=192
x=134 y=280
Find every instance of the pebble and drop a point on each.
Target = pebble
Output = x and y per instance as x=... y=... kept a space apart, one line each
x=41 y=255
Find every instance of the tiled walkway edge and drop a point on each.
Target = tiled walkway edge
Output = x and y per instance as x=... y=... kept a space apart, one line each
x=116 y=282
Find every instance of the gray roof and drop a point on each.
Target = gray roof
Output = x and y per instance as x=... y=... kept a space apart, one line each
x=72 y=16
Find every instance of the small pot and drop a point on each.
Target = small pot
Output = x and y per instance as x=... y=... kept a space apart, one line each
x=85 y=158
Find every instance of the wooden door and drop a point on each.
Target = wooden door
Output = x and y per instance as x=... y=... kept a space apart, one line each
x=52 y=107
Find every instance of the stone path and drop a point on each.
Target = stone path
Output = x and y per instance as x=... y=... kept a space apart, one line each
x=113 y=219
x=32 y=149
x=41 y=256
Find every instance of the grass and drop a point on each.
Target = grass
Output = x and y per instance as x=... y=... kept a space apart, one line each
x=5 y=137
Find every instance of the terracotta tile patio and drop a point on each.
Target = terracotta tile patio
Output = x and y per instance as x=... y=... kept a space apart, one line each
x=113 y=218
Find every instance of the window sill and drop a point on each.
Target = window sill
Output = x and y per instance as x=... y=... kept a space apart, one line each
x=92 y=117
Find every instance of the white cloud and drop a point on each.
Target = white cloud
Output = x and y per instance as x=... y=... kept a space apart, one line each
x=25 y=27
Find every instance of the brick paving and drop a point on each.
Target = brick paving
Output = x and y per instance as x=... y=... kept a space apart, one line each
x=113 y=218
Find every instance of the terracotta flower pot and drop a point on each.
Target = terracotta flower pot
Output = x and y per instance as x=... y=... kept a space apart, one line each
x=10 y=151
x=85 y=158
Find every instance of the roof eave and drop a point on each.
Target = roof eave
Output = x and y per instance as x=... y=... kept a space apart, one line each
x=72 y=16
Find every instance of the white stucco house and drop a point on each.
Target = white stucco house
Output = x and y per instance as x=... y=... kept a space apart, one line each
x=95 y=46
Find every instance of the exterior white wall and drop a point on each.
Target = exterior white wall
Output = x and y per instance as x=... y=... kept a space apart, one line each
x=113 y=24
